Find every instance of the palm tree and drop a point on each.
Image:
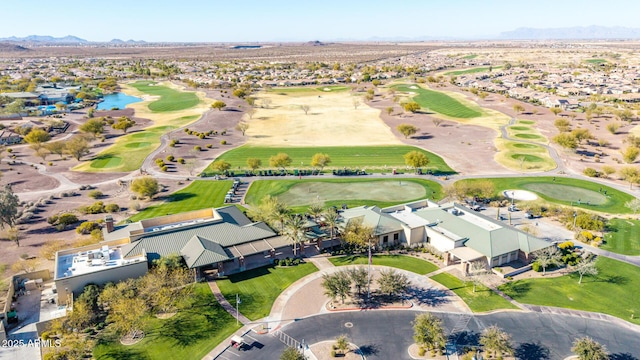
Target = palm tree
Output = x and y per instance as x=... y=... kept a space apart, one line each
x=279 y=214
x=588 y=349
x=495 y=339
x=293 y=229
x=316 y=210
x=428 y=332
x=331 y=221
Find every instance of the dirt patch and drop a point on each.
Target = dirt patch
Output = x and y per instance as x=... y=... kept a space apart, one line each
x=332 y=120
x=128 y=340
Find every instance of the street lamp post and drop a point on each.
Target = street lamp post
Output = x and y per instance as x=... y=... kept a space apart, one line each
x=575 y=216
x=369 y=276
x=237 y=308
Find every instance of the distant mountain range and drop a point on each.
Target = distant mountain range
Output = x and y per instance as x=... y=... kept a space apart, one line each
x=567 y=33
x=573 y=33
x=69 y=39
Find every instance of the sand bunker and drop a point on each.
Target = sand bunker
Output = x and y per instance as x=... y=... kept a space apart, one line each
x=519 y=195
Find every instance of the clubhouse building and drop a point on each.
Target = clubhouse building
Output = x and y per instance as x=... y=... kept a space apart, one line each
x=458 y=232
x=223 y=241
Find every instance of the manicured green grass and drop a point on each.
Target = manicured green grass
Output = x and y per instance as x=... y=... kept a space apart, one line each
x=613 y=291
x=381 y=158
x=335 y=192
x=525 y=146
x=528 y=136
x=576 y=189
x=191 y=334
x=471 y=71
x=623 y=237
x=439 y=102
x=199 y=194
x=403 y=262
x=527 y=158
x=520 y=128
x=526 y=122
x=259 y=288
x=484 y=299
x=134 y=147
x=470 y=56
x=596 y=61
x=170 y=99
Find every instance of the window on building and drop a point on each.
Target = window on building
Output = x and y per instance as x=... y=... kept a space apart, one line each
x=396 y=236
x=385 y=239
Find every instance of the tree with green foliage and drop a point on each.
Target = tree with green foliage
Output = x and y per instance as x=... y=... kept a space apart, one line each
x=566 y=140
x=630 y=154
x=630 y=174
x=320 y=160
x=518 y=109
x=581 y=134
x=56 y=147
x=294 y=230
x=411 y=106
x=555 y=110
x=625 y=115
x=291 y=354
x=613 y=127
x=254 y=163
x=77 y=147
x=166 y=284
x=241 y=93
x=562 y=124
x=416 y=159
x=280 y=160
x=359 y=277
x=145 y=186
x=428 y=332
x=124 y=123
x=496 y=340
x=331 y=220
x=221 y=165
x=393 y=283
x=588 y=349
x=389 y=110
x=337 y=285
x=94 y=127
x=407 y=130
x=36 y=138
x=9 y=203
x=127 y=309
x=218 y=105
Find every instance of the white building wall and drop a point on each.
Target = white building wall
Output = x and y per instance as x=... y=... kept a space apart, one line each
x=439 y=241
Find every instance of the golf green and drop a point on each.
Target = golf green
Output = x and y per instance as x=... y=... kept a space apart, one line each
x=385 y=191
x=170 y=99
x=520 y=128
x=527 y=158
x=568 y=193
x=525 y=146
x=528 y=136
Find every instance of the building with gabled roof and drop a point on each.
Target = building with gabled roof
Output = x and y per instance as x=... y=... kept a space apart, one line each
x=455 y=230
x=222 y=240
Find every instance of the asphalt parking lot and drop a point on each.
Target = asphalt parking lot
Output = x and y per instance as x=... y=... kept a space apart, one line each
x=388 y=334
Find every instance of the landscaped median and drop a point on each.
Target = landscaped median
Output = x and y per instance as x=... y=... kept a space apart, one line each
x=613 y=291
x=259 y=288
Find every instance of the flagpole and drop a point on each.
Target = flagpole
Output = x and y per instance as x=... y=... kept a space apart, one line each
x=237 y=311
x=369 y=277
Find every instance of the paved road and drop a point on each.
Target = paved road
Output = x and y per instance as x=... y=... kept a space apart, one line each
x=388 y=334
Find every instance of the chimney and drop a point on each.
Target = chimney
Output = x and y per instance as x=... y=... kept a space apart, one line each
x=109 y=222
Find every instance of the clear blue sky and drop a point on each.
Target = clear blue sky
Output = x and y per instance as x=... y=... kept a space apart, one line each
x=301 y=20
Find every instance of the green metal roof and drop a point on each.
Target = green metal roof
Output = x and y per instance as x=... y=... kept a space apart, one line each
x=200 y=252
x=372 y=216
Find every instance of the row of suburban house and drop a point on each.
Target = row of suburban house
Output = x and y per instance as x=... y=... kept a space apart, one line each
x=225 y=241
